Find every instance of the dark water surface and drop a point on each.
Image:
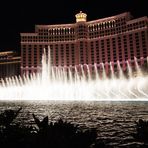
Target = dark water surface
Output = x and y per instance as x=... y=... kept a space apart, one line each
x=115 y=121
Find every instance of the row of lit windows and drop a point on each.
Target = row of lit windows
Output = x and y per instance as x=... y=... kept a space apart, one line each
x=100 y=26
x=56 y=31
x=82 y=32
x=136 y=25
x=108 y=32
x=48 y=38
x=118 y=29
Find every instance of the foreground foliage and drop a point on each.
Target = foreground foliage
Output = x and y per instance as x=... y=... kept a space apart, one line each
x=141 y=130
x=60 y=134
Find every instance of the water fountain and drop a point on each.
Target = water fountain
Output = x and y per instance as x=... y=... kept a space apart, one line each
x=60 y=83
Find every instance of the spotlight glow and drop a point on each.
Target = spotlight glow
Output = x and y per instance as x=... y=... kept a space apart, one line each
x=61 y=83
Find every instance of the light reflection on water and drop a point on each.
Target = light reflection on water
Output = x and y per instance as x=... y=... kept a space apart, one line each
x=115 y=121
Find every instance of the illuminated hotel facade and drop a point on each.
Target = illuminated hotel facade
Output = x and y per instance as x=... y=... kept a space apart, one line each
x=10 y=64
x=108 y=40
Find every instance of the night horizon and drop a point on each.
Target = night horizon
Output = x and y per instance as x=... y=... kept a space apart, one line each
x=22 y=17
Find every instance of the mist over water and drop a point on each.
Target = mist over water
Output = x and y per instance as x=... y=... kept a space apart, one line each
x=77 y=83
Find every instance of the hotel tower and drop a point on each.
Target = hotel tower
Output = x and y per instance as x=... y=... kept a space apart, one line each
x=108 y=40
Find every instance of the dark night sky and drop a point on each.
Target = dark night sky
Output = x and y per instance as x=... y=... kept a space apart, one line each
x=22 y=17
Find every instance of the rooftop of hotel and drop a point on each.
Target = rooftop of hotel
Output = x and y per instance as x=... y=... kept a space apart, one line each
x=84 y=15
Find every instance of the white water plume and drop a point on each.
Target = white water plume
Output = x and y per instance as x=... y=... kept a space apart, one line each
x=76 y=83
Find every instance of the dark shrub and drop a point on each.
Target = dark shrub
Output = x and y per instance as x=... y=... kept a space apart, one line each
x=141 y=130
x=61 y=134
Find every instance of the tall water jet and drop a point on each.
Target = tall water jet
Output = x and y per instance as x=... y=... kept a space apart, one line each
x=88 y=72
x=121 y=76
x=129 y=69
x=147 y=60
x=112 y=71
x=96 y=71
x=45 y=69
x=138 y=70
x=103 y=71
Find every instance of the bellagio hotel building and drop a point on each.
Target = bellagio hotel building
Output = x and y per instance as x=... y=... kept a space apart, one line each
x=107 y=40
